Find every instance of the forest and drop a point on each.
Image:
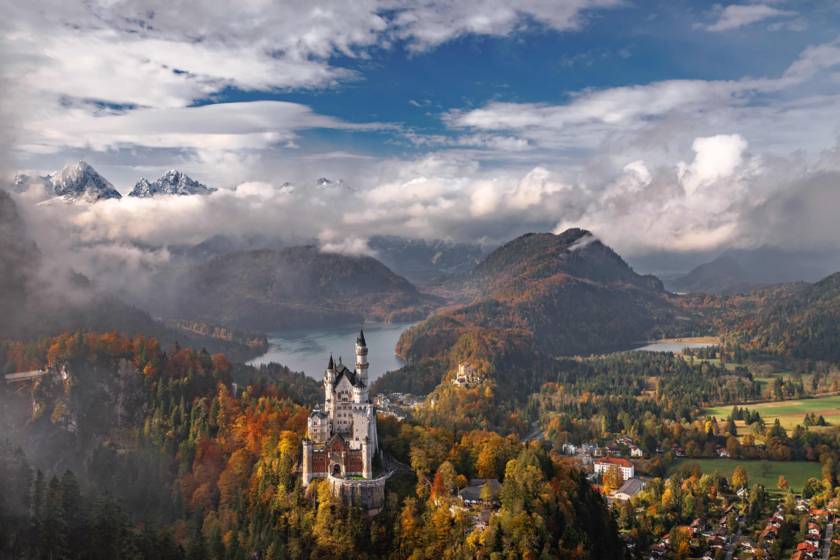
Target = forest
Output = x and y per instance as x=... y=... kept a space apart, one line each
x=177 y=464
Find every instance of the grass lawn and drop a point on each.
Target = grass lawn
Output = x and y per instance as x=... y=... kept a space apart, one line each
x=765 y=472
x=789 y=413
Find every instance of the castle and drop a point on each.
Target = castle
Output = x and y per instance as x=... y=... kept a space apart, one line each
x=341 y=441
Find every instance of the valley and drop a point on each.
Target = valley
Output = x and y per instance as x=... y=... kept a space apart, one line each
x=420 y=280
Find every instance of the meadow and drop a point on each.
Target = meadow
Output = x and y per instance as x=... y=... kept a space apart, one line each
x=790 y=413
x=764 y=472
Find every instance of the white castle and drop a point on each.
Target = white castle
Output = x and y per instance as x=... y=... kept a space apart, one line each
x=341 y=440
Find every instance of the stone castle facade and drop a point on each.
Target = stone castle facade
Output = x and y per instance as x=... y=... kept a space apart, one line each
x=341 y=441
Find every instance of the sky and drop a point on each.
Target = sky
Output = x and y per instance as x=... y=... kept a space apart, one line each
x=666 y=127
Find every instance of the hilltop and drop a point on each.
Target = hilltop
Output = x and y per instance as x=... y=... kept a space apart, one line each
x=567 y=294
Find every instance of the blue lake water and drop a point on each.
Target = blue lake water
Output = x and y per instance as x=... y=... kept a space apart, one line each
x=309 y=350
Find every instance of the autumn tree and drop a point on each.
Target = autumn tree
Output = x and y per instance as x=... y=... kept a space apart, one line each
x=740 y=479
x=613 y=478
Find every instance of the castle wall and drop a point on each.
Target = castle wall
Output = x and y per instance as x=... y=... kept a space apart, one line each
x=366 y=494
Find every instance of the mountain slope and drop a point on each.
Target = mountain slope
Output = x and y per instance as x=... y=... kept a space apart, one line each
x=566 y=293
x=425 y=261
x=724 y=275
x=297 y=287
x=170 y=183
x=742 y=270
x=802 y=321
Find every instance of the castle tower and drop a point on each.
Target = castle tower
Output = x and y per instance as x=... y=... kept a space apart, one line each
x=361 y=358
x=329 y=379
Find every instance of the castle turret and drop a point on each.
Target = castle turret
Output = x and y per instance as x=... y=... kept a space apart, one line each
x=329 y=380
x=361 y=358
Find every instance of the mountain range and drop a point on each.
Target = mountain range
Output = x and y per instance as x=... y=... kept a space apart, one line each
x=172 y=182
x=295 y=287
x=80 y=181
x=742 y=270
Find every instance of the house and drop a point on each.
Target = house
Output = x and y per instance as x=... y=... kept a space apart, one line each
x=630 y=488
x=626 y=468
x=569 y=449
x=471 y=494
x=636 y=451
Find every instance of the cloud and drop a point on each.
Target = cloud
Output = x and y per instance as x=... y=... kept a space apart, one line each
x=429 y=23
x=677 y=165
x=716 y=158
x=787 y=112
x=218 y=127
x=736 y=16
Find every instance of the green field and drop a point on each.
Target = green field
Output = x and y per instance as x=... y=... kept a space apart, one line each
x=789 y=413
x=765 y=472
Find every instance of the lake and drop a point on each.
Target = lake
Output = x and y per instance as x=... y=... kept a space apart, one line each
x=309 y=350
x=678 y=344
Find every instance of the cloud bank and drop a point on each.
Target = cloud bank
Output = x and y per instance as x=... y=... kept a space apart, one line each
x=136 y=88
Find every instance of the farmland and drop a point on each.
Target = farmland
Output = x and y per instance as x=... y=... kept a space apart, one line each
x=790 y=413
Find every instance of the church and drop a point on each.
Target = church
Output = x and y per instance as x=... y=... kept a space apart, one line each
x=341 y=442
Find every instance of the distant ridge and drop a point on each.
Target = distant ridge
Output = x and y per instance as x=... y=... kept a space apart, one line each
x=172 y=182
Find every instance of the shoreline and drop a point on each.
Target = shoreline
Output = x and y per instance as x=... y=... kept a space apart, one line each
x=712 y=340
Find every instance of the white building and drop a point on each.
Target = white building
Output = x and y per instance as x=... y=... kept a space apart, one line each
x=627 y=469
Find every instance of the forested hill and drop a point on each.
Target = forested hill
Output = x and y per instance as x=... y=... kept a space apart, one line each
x=171 y=462
x=800 y=320
x=538 y=257
x=567 y=293
x=297 y=287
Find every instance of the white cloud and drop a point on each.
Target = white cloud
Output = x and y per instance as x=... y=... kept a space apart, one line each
x=735 y=16
x=216 y=127
x=428 y=23
x=788 y=112
x=716 y=158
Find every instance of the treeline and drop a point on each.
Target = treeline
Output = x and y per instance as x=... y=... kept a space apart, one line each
x=51 y=517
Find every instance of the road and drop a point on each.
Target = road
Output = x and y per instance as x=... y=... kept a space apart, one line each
x=536 y=433
x=829 y=530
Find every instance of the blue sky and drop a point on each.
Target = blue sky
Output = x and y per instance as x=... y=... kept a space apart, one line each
x=672 y=126
x=631 y=43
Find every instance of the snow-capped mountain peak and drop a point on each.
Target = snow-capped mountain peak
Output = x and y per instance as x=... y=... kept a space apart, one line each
x=173 y=182
x=75 y=181
x=81 y=181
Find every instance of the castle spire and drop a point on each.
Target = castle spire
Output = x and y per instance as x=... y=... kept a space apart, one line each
x=331 y=364
x=361 y=339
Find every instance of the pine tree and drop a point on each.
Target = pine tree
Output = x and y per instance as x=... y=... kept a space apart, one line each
x=54 y=544
x=73 y=514
x=36 y=525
